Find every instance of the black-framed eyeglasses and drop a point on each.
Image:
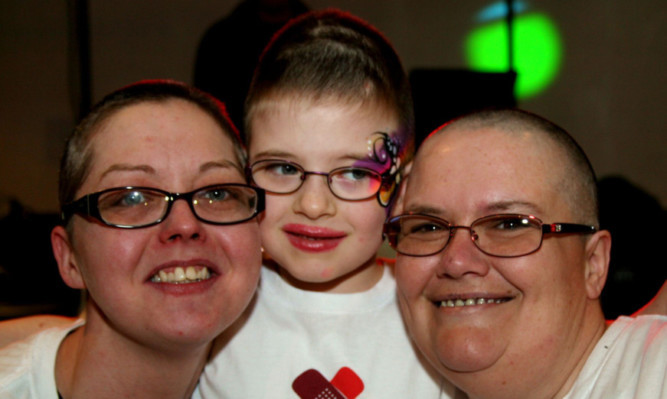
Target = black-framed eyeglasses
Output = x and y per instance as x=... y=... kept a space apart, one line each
x=502 y=235
x=137 y=207
x=278 y=176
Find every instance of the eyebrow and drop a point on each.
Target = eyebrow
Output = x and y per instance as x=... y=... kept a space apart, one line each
x=490 y=209
x=284 y=154
x=425 y=210
x=122 y=167
x=224 y=164
x=504 y=206
x=274 y=154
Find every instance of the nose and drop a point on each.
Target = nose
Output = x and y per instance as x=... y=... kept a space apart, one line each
x=461 y=258
x=314 y=199
x=181 y=224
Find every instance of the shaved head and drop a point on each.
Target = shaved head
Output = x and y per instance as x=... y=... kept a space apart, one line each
x=544 y=314
x=572 y=171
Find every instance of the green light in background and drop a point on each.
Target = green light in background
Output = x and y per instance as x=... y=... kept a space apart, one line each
x=537 y=51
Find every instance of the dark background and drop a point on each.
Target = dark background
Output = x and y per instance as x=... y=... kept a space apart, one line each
x=610 y=95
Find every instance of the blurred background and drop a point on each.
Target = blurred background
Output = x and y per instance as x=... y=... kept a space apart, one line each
x=595 y=67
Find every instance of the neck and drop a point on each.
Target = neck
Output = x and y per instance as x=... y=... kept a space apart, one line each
x=582 y=352
x=96 y=361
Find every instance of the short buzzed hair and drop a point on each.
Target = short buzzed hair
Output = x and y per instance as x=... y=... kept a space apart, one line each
x=77 y=156
x=579 y=183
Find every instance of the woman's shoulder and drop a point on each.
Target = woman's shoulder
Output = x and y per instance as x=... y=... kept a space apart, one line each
x=20 y=328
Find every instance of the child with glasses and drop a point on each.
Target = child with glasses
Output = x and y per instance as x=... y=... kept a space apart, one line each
x=329 y=126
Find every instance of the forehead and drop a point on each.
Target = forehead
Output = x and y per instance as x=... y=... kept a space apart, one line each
x=174 y=131
x=484 y=171
x=152 y=122
x=318 y=127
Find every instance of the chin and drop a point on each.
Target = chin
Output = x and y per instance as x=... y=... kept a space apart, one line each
x=197 y=329
x=465 y=350
x=311 y=271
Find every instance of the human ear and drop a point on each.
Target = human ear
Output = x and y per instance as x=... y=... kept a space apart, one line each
x=67 y=262
x=598 y=251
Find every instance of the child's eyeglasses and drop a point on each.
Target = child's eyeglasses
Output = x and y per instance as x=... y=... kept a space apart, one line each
x=283 y=177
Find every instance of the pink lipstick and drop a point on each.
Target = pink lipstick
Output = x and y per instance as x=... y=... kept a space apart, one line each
x=313 y=238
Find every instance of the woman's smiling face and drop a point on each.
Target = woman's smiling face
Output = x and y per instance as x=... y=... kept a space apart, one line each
x=175 y=146
x=520 y=308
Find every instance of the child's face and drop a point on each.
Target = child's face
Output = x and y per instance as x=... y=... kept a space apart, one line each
x=314 y=236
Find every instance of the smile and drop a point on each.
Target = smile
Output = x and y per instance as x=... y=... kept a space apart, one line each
x=457 y=303
x=180 y=275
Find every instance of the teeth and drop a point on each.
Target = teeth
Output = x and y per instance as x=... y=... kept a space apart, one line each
x=453 y=303
x=182 y=276
x=191 y=273
x=179 y=274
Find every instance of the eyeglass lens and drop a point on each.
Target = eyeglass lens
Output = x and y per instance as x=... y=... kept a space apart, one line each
x=282 y=177
x=143 y=206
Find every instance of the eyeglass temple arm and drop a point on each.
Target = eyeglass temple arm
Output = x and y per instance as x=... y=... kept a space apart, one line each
x=80 y=206
x=562 y=228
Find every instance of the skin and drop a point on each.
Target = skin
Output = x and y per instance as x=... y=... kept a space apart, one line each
x=154 y=337
x=321 y=136
x=552 y=318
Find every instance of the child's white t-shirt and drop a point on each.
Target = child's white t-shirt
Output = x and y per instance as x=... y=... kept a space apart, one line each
x=291 y=340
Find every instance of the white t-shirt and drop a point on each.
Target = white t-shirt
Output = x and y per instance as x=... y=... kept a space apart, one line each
x=291 y=340
x=27 y=368
x=629 y=362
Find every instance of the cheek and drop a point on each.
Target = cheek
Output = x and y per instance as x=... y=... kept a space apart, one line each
x=550 y=277
x=242 y=248
x=105 y=252
x=275 y=207
x=410 y=284
x=367 y=217
x=109 y=266
x=418 y=312
x=269 y=232
x=240 y=243
x=413 y=275
x=412 y=278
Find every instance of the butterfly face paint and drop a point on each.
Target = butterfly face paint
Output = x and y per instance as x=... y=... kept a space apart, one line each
x=384 y=151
